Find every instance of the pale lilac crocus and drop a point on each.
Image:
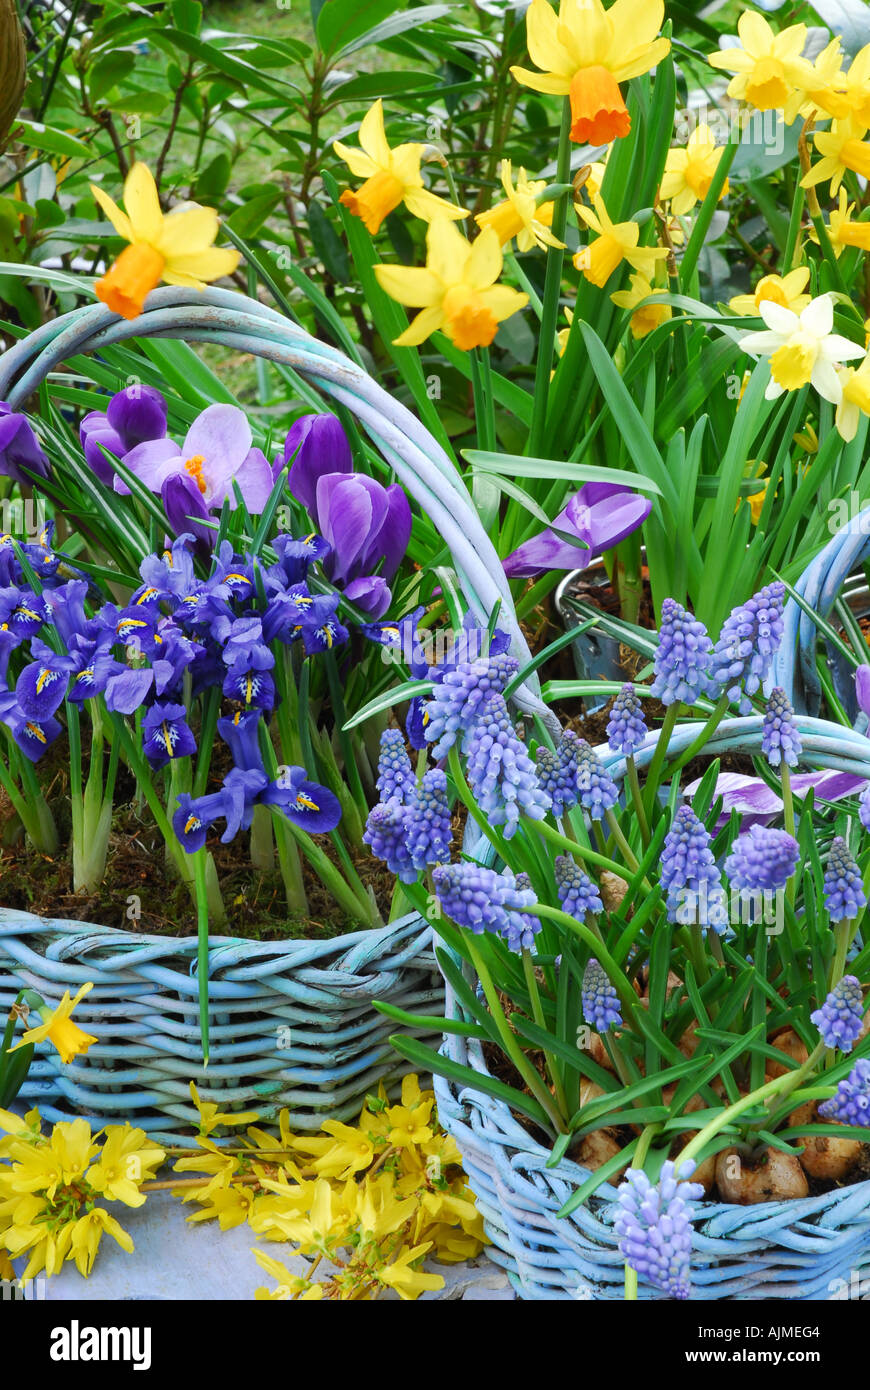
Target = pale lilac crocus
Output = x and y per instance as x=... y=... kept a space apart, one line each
x=216 y=454
x=600 y=515
x=758 y=804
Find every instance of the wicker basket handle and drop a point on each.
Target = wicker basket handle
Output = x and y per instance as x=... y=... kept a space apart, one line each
x=238 y=322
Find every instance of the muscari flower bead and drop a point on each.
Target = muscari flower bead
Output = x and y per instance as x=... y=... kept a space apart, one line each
x=689 y=874
x=840 y=1018
x=522 y=929
x=597 y=790
x=747 y=645
x=385 y=835
x=482 y=900
x=850 y=1104
x=780 y=737
x=654 y=1225
x=864 y=807
x=682 y=657
x=577 y=892
x=843 y=889
x=626 y=728
x=599 y=998
x=395 y=774
x=559 y=784
x=428 y=833
x=762 y=860
x=459 y=694
x=501 y=775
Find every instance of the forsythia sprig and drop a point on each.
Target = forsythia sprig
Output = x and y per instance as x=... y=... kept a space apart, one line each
x=53 y=1189
x=373 y=1199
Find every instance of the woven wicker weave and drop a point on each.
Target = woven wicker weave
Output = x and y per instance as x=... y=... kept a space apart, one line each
x=804 y=1249
x=291 y=1023
x=820 y=584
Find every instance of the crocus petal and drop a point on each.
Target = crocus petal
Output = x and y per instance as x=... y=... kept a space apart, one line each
x=371 y=593
x=136 y=414
x=254 y=478
x=152 y=462
x=545 y=552
x=316 y=444
x=221 y=437
x=862 y=687
x=185 y=509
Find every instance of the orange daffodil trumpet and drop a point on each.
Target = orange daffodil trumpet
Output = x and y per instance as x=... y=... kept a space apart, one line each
x=802 y=348
x=392 y=176
x=585 y=51
x=456 y=290
x=520 y=215
x=176 y=247
x=646 y=314
x=615 y=242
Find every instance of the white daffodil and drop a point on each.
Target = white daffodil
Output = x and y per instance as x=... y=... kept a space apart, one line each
x=801 y=348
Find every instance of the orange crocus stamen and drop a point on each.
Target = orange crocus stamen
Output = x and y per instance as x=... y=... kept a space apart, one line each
x=135 y=273
x=194 y=467
x=598 y=112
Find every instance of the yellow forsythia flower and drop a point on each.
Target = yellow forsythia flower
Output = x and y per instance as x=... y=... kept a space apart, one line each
x=176 y=247
x=392 y=176
x=585 y=52
x=456 y=291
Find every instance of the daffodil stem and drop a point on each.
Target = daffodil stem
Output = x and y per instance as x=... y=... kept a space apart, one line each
x=552 y=290
x=523 y=280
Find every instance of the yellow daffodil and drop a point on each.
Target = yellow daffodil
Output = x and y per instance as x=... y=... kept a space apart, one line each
x=176 y=247
x=289 y=1285
x=392 y=176
x=126 y=1160
x=210 y=1117
x=846 y=95
x=827 y=79
x=787 y=290
x=755 y=500
x=585 y=52
x=58 y=1027
x=456 y=291
x=646 y=317
x=855 y=401
x=842 y=147
x=770 y=73
x=519 y=215
x=842 y=231
x=615 y=242
x=689 y=172
x=594 y=178
x=802 y=348
x=562 y=335
x=807 y=439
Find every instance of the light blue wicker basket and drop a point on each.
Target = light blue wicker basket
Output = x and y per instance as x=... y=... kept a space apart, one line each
x=803 y=1249
x=292 y=1023
x=821 y=583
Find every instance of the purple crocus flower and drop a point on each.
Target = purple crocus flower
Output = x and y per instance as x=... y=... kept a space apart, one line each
x=315 y=445
x=758 y=804
x=134 y=415
x=600 y=515
x=862 y=688
x=366 y=524
x=216 y=454
x=19 y=447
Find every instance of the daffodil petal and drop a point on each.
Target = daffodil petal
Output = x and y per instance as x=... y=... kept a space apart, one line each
x=119 y=220
x=143 y=204
x=423 y=325
x=410 y=285
x=372 y=136
x=193 y=229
